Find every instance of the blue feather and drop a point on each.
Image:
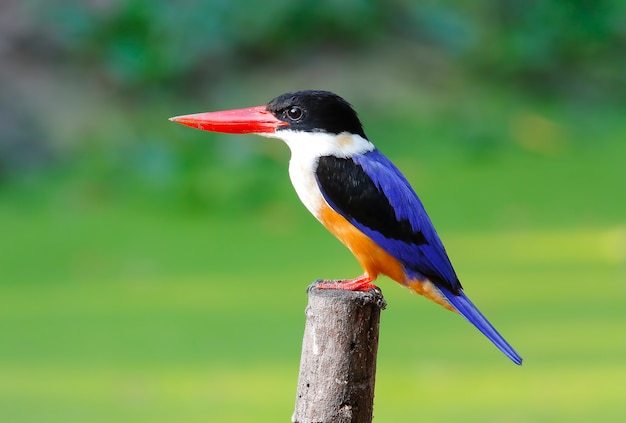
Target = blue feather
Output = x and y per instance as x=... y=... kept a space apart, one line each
x=429 y=260
x=467 y=309
x=422 y=261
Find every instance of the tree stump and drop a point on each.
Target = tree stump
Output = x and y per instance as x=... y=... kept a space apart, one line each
x=338 y=363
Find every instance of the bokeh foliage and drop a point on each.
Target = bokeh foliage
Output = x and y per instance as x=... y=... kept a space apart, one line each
x=130 y=61
x=140 y=43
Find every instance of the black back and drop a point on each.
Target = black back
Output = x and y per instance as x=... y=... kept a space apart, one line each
x=316 y=111
x=345 y=184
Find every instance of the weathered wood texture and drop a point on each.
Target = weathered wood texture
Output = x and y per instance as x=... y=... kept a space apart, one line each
x=338 y=363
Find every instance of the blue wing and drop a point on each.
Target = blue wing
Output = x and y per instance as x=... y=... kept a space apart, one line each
x=371 y=193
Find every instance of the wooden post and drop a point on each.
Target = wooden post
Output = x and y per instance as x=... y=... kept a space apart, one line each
x=338 y=363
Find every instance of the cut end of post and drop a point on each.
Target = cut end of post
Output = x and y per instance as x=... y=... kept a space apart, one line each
x=373 y=296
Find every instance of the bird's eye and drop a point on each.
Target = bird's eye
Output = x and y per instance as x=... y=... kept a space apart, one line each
x=295 y=113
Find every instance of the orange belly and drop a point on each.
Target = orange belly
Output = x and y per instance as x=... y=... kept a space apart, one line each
x=374 y=259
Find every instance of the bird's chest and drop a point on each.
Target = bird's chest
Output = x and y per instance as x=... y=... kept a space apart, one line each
x=302 y=174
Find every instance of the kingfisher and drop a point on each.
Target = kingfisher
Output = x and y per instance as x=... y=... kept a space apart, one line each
x=358 y=194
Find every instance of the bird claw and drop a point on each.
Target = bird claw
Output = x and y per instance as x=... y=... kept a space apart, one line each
x=358 y=284
x=314 y=285
x=375 y=290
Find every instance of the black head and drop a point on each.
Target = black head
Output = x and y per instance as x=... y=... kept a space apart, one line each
x=316 y=111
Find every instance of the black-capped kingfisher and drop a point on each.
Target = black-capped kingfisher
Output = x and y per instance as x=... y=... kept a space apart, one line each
x=358 y=194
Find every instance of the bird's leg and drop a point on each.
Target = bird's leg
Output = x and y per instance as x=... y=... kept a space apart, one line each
x=362 y=283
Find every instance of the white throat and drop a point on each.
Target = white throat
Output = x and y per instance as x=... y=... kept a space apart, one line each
x=306 y=149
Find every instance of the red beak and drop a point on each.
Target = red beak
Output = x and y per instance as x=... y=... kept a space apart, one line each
x=240 y=121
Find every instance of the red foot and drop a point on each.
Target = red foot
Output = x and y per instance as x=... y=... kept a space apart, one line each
x=362 y=283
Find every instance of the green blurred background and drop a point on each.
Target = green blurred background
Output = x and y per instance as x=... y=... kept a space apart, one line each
x=153 y=273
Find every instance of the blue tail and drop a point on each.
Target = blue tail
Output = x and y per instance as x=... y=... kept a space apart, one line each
x=464 y=306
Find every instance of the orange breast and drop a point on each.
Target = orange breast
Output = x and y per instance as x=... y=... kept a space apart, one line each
x=372 y=258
